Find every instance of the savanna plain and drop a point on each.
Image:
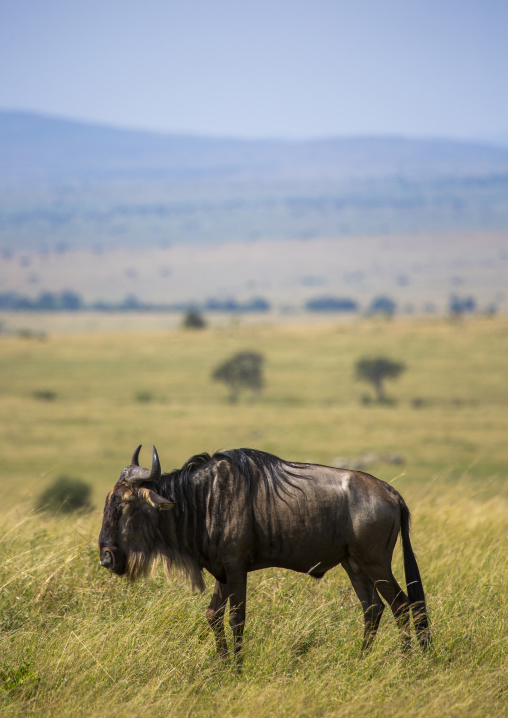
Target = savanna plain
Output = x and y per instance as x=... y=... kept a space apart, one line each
x=77 y=641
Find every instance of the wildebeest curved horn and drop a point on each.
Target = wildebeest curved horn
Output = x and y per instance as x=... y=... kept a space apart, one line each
x=136 y=474
x=155 y=474
x=135 y=456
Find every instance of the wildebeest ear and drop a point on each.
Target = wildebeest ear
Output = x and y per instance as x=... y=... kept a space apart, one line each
x=155 y=500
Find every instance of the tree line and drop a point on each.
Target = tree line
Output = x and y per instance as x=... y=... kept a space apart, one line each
x=71 y=301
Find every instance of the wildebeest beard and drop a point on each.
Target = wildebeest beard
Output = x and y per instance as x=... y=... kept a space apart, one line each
x=160 y=545
x=144 y=565
x=140 y=565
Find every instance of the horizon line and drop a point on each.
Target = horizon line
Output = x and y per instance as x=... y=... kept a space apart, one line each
x=497 y=139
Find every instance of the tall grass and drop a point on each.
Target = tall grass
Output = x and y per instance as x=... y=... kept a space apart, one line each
x=75 y=640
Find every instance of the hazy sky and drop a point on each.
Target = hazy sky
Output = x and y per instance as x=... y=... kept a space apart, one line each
x=258 y=68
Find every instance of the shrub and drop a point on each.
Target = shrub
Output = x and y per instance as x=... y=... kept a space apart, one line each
x=31 y=334
x=44 y=395
x=143 y=396
x=65 y=494
x=193 y=319
x=418 y=403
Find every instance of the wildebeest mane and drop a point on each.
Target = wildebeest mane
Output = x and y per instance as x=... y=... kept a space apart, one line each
x=249 y=465
x=275 y=473
x=193 y=498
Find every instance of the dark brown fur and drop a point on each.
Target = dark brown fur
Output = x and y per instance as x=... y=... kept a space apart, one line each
x=243 y=510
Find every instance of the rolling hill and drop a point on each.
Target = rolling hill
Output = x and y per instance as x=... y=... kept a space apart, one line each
x=35 y=148
x=69 y=185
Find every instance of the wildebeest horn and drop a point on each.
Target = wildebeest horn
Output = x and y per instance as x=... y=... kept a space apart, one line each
x=135 y=456
x=156 y=466
x=137 y=474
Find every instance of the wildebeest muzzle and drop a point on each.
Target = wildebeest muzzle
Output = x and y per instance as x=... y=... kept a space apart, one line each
x=111 y=559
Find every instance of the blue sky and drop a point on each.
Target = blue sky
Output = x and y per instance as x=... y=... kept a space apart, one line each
x=262 y=68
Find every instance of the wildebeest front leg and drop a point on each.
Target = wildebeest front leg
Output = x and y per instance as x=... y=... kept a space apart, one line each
x=237 y=589
x=215 y=617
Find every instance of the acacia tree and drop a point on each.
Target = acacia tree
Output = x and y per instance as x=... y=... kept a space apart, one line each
x=375 y=371
x=243 y=371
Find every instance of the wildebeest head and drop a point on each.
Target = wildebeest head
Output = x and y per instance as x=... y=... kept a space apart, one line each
x=129 y=535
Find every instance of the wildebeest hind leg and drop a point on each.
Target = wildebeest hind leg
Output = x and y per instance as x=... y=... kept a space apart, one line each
x=372 y=604
x=215 y=617
x=395 y=597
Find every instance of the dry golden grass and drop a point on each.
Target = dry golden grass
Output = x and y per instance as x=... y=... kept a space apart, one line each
x=76 y=641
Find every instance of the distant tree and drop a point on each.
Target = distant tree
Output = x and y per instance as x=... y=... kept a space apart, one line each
x=461 y=305
x=71 y=301
x=243 y=371
x=382 y=305
x=331 y=304
x=256 y=304
x=131 y=303
x=47 y=302
x=376 y=371
x=193 y=319
x=222 y=305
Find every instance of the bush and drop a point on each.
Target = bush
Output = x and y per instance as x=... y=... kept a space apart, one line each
x=144 y=397
x=193 y=319
x=418 y=403
x=31 y=334
x=44 y=395
x=65 y=494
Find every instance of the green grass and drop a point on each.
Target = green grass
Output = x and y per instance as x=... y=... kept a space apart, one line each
x=75 y=640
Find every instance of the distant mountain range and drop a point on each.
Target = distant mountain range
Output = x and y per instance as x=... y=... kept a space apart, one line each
x=66 y=184
x=34 y=147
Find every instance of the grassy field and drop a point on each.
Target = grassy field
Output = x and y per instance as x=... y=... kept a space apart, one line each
x=76 y=641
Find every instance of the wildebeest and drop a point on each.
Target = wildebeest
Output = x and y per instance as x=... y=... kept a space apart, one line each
x=242 y=510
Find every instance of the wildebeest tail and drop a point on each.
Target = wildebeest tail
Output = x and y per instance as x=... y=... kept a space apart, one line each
x=413 y=580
